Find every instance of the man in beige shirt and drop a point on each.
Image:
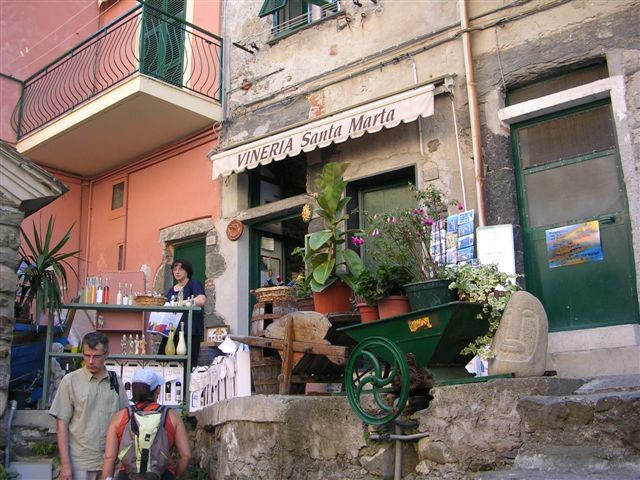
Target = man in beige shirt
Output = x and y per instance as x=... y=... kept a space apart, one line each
x=84 y=403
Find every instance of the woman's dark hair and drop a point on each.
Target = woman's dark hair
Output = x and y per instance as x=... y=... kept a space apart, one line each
x=184 y=263
x=141 y=392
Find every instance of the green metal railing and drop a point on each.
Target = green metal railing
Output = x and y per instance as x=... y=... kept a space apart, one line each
x=145 y=40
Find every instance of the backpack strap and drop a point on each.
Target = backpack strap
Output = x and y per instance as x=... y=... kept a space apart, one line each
x=113 y=381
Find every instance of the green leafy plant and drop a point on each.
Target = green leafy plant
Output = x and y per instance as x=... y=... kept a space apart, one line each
x=487 y=285
x=391 y=278
x=410 y=238
x=44 y=448
x=367 y=288
x=302 y=287
x=45 y=276
x=8 y=474
x=325 y=254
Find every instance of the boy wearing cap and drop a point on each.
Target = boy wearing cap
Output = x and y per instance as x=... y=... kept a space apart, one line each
x=145 y=388
x=84 y=403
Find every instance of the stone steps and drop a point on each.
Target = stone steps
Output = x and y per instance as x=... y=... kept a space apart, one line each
x=592 y=433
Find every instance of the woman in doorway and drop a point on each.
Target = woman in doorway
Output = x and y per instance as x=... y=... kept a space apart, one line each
x=182 y=272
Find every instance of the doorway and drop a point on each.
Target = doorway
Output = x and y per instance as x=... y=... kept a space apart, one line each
x=577 y=240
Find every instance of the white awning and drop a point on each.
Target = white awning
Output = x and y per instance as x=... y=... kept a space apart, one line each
x=372 y=117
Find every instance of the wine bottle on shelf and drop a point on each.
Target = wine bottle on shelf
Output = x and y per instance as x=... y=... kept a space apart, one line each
x=105 y=291
x=181 y=349
x=86 y=295
x=92 y=299
x=170 y=347
x=167 y=392
x=131 y=344
x=125 y=296
x=119 y=295
x=99 y=292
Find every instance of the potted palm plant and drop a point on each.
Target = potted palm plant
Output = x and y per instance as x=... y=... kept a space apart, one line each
x=331 y=266
x=44 y=277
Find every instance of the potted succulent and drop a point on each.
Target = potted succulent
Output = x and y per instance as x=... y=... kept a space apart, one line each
x=367 y=291
x=44 y=275
x=487 y=285
x=331 y=266
x=414 y=239
x=392 y=278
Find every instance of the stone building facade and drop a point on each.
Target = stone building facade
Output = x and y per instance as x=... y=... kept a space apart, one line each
x=534 y=124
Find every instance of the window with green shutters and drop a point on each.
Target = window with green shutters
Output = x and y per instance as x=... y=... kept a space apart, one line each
x=162 y=45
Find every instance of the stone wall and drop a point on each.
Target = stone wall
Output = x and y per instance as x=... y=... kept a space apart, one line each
x=10 y=219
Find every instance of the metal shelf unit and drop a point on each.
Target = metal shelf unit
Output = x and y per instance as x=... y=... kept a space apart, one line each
x=117 y=308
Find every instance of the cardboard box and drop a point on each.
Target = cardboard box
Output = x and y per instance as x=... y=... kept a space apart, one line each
x=173 y=392
x=128 y=369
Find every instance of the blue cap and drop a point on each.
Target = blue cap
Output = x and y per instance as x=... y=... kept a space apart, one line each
x=148 y=377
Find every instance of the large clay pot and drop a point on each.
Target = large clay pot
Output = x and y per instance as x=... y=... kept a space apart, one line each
x=430 y=293
x=336 y=298
x=393 y=305
x=305 y=304
x=368 y=313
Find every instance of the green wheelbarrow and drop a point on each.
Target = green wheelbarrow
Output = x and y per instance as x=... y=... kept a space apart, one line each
x=377 y=375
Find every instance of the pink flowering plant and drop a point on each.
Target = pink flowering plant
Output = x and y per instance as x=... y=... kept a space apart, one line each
x=412 y=239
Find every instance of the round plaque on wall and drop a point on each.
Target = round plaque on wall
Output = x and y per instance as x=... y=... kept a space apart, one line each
x=234 y=230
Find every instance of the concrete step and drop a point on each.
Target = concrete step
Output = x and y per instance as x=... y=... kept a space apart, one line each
x=517 y=474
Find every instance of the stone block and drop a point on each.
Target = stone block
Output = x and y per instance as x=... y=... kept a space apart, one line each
x=520 y=343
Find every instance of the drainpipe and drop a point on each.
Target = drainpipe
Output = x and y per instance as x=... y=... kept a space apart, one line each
x=399 y=438
x=474 y=115
x=12 y=409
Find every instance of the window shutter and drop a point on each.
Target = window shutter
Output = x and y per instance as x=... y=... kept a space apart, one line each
x=271 y=6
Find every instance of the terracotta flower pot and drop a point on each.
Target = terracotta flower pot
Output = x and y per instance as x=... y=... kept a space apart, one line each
x=393 y=305
x=336 y=298
x=305 y=304
x=367 y=312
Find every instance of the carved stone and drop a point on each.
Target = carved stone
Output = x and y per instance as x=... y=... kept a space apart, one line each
x=520 y=343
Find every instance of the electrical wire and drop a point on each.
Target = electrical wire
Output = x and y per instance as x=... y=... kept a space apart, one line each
x=61 y=42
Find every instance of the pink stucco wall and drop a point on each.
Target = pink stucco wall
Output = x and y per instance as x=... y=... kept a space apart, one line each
x=172 y=186
x=32 y=34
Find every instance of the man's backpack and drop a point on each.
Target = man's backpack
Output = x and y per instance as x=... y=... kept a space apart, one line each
x=144 y=447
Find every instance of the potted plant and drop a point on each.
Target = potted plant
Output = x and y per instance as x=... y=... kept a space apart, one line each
x=415 y=240
x=331 y=266
x=44 y=276
x=304 y=295
x=392 y=278
x=487 y=285
x=367 y=292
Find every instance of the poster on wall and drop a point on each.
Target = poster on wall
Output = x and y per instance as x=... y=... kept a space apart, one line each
x=495 y=246
x=574 y=244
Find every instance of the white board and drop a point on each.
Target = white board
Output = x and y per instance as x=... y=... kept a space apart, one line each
x=495 y=245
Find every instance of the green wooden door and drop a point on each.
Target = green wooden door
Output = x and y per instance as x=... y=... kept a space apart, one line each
x=162 y=45
x=380 y=200
x=568 y=174
x=195 y=253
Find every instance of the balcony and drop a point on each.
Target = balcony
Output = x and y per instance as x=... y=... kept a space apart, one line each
x=142 y=82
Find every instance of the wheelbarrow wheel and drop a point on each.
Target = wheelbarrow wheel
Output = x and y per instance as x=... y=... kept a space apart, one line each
x=371 y=380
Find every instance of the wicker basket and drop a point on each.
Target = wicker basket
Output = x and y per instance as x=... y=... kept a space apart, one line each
x=275 y=294
x=149 y=300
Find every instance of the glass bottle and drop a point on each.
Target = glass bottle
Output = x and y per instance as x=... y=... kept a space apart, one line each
x=92 y=296
x=99 y=291
x=180 y=297
x=170 y=347
x=131 y=344
x=105 y=291
x=123 y=343
x=119 y=295
x=86 y=294
x=167 y=392
x=125 y=296
x=181 y=349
